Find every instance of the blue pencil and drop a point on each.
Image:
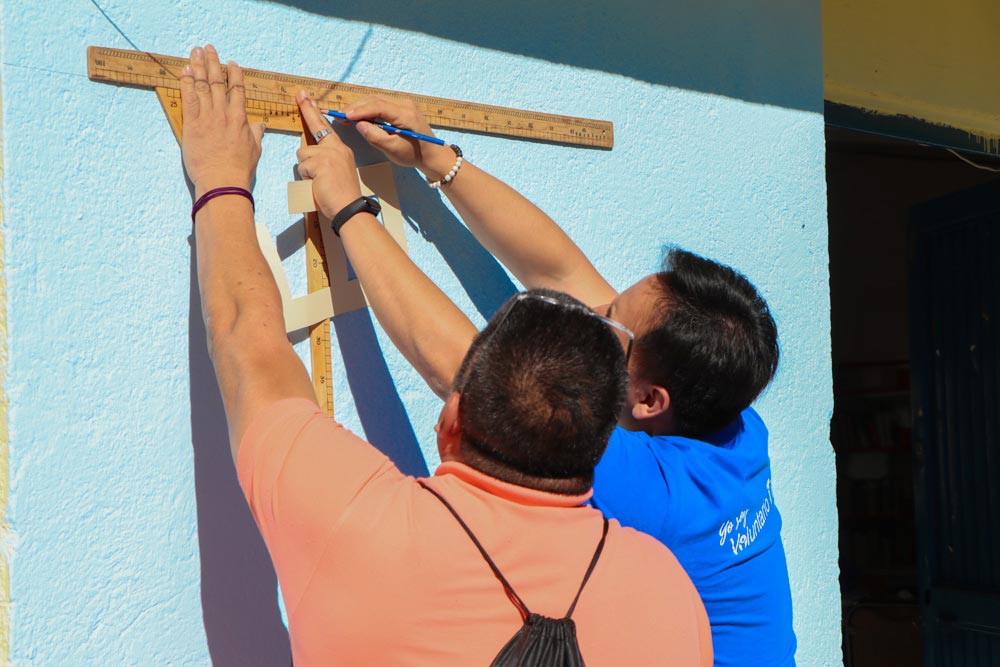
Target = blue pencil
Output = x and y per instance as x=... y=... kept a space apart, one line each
x=389 y=128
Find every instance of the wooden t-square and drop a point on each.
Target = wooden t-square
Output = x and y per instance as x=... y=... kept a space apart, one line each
x=270 y=98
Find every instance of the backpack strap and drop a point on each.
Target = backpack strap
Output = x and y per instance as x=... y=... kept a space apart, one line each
x=514 y=597
x=590 y=570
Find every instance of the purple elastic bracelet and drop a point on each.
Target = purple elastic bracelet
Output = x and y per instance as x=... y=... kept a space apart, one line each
x=218 y=192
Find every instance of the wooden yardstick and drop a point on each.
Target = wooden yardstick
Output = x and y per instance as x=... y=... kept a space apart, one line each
x=270 y=98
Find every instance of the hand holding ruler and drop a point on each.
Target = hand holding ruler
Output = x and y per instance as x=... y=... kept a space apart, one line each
x=270 y=98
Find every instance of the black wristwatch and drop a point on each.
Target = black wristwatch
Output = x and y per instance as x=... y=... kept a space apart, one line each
x=359 y=205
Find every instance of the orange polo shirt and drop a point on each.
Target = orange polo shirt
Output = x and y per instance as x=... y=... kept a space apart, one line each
x=375 y=571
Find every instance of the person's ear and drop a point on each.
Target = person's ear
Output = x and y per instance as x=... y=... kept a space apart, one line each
x=449 y=429
x=651 y=402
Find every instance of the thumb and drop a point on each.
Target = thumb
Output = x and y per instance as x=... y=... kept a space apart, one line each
x=373 y=134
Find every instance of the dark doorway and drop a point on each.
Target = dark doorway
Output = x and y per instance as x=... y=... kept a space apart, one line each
x=954 y=255
x=876 y=186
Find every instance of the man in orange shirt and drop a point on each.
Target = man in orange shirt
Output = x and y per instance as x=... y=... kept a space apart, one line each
x=378 y=568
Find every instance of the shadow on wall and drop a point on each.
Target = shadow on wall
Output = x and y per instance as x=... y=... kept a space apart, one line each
x=238 y=585
x=480 y=274
x=380 y=410
x=765 y=51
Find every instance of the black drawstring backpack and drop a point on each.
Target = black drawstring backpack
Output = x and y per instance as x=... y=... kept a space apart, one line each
x=541 y=641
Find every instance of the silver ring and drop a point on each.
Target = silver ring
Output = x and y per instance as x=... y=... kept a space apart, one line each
x=319 y=135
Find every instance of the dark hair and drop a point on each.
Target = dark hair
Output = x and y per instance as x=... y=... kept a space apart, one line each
x=711 y=343
x=541 y=390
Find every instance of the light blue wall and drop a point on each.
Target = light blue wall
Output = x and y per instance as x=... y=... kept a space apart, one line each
x=130 y=541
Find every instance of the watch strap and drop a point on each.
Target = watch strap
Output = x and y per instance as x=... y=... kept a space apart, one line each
x=359 y=205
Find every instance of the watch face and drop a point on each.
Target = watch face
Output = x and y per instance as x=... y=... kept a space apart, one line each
x=374 y=207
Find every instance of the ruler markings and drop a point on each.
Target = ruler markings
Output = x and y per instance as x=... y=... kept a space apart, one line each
x=151 y=70
x=286 y=106
x=276 y=105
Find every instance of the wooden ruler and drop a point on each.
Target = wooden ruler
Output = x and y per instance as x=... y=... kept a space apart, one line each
x=320 y=345
x=271 y=99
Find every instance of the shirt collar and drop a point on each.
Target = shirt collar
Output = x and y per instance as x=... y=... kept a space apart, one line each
x=509 y=491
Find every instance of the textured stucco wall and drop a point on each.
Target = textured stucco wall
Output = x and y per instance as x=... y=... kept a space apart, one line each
x=130 y=542
x=4 y=478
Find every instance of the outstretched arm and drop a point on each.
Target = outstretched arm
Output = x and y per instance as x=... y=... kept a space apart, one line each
x=254 y=362
x=423 y=323
x=516 y=231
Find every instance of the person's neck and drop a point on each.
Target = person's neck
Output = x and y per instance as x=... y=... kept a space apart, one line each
x=661 y=424
x=570 y=486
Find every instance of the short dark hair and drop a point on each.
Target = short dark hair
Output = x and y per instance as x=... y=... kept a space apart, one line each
x=541 y=390
x=711 y=343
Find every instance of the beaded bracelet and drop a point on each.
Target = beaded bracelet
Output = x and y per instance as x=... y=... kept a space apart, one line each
x=451 y=174
x=219 y=192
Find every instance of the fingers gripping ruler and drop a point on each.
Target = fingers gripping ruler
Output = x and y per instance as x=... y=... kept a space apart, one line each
x=270 y=98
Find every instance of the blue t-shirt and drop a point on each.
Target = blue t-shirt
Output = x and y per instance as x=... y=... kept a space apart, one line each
x=712 y=503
